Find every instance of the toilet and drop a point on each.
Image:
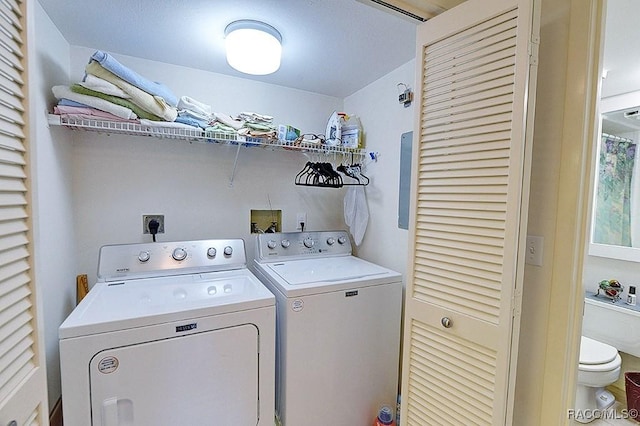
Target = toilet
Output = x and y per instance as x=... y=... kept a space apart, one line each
x=599 y=367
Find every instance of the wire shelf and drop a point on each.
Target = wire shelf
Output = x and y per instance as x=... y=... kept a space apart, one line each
x=193 y=135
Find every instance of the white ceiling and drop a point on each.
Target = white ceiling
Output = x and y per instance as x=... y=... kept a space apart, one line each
x=332 y=47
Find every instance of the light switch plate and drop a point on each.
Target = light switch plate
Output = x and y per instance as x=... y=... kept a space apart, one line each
x=533 y=255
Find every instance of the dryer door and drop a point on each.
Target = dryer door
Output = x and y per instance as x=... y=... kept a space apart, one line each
x=204 y=378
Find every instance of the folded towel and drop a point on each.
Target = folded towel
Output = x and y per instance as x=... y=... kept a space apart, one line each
x=166 y=125
x=255 y=117
x=64 y=92
x=226 y=119
x=220 y=128
x=69 y=102
x=191 y=104
x=152 y=104
x=191 y=118
x=130 y=76
x=103 y=86
x=76 y=88
x=196 y=115
x=87 y=113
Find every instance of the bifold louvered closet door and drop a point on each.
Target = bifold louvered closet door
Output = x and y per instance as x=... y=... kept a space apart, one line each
x=22 y=381
x=470 y=183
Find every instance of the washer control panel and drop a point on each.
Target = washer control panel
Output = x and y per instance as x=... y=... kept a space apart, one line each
x=128 y=261
x=287 y=245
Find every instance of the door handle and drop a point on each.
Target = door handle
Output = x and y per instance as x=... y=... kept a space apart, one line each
x=12 y=423
x=446 y=322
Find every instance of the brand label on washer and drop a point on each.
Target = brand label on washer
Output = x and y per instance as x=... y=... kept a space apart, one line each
x=108 y=364
x=186 y=327
x=297 y=305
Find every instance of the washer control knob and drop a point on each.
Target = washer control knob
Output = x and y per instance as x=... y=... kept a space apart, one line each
x=331 y=241
x=271 y=244
x=144 y=256
x=308 y=242
x=228 y=251
x=211 y=252
x=179 y=254
x=342 y=239
x=285 y=243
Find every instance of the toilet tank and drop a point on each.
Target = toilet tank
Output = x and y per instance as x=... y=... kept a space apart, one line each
x=612 y=323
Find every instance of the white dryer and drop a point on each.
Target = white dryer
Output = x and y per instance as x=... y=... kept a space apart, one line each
x=337 y=332
x=176 y=333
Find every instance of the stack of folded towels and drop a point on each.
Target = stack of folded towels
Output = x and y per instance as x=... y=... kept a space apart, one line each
x=111 y=91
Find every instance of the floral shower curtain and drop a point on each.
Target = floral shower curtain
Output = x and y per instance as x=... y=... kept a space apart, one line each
x=613 y=199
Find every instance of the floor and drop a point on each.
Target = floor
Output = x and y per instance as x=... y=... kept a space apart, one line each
x=617 y=416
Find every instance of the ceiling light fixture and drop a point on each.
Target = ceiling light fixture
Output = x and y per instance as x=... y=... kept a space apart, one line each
x=253 y=47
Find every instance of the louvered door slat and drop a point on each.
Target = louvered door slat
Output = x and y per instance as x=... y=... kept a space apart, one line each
x=469 y=180
x=22 y=379
x=14 y=6
x=465 y=66
x=457 y=39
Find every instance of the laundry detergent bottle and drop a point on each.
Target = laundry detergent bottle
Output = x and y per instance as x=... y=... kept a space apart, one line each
x=385 y=417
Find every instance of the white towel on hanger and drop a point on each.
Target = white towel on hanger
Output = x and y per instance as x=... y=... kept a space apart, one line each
x=356 y=212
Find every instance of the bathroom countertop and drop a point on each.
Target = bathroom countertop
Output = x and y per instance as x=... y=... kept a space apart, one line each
x=621 y=303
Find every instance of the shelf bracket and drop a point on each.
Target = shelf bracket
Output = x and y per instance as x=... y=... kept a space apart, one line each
x=235 y=165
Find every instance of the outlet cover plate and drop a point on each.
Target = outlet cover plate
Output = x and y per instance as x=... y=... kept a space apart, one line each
x=146 y=218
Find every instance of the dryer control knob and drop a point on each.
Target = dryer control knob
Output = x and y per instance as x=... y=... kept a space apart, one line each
x=285 y=243
x=342 y=239
x=179 y=254
x=272 y=244
x=144 y=256
x=308 y=242
x=228 y=251
x=331 y=241
x=211 y=252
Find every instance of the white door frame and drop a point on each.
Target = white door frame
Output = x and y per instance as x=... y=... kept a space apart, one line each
x=571 y=236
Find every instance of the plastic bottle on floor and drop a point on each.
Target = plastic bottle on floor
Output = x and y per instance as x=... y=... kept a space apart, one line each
x=385 y=417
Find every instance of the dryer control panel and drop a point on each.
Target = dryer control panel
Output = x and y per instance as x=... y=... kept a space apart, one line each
x=146 y=260
x=301 y=245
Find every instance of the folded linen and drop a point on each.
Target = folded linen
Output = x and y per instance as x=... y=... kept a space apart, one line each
x=103 y=86
x=226 y=119
x=69 y=102
x=155 y=105
x=255 y=117
x=87 y=113
x=64 y=92
x=191 y=104
x=132 y=77
x=201 y=117
x=220 y=127
x=166 y=125
x=141 y=113
x=185 y=117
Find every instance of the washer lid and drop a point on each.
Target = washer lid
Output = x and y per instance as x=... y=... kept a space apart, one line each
x=136 y=303
x=594 y=352
x=332 y=269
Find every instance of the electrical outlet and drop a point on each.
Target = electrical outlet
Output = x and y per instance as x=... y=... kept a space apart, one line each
x=534 y=250
x=301 y=218
x=146 y=218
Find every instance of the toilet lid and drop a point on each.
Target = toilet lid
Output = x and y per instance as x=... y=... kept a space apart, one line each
x=594 y=352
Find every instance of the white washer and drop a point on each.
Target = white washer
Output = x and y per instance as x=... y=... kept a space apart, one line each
x=176 y=333
x=337 y=332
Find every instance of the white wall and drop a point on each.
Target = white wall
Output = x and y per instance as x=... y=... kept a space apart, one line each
x=117 y=179
x=384 y=121
x=53 y=228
